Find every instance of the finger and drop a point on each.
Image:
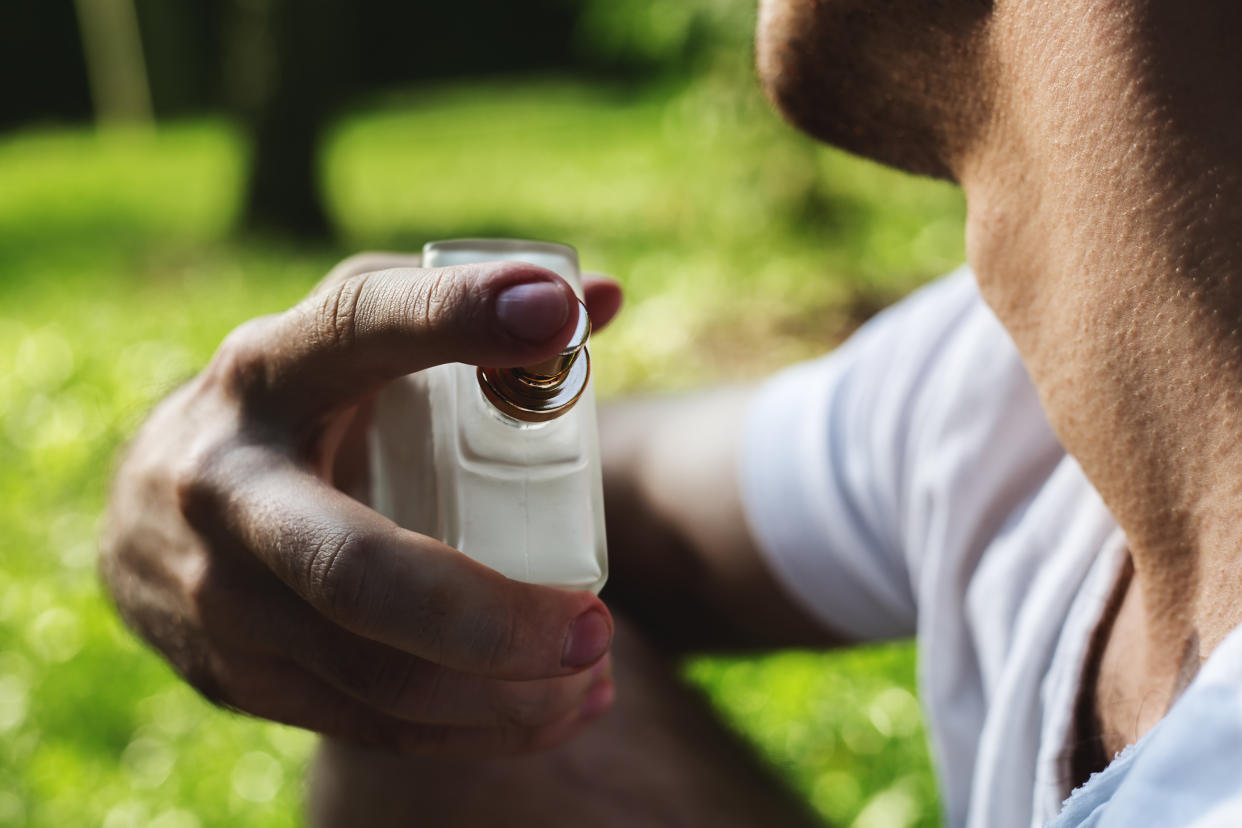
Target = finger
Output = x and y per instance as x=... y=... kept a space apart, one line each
x=279 y=623
x=382 y=582
x=283 y=692
x=603 y=298
x=352 y=338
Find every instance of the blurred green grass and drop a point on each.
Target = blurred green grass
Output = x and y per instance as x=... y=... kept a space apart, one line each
x=741 y=247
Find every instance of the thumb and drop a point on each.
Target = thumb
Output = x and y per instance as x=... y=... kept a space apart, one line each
x=343 y=343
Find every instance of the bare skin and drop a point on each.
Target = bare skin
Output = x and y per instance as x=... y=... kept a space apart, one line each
x=1099 y=146
x=1108 y=244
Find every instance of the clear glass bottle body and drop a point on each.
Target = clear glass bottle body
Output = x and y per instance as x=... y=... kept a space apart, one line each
x=524 y=498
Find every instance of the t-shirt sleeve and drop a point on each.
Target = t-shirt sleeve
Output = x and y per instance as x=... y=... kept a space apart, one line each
x=826 y=458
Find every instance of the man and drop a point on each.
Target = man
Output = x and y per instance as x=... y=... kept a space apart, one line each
x=1066 y=546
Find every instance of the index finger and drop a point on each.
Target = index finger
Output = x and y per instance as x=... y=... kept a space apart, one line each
x=377 y=580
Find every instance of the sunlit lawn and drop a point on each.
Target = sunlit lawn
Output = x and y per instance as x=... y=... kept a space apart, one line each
x=741 y=246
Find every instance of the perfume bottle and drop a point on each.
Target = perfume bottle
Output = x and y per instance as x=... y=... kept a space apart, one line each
x=500 y=463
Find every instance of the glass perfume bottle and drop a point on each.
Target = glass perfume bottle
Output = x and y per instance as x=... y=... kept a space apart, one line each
x=500 y=463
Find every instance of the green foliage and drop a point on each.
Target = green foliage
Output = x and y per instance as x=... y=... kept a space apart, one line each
x=671 y=35
x=741 y=247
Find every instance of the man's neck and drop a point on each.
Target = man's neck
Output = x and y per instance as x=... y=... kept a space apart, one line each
x=1105 y=225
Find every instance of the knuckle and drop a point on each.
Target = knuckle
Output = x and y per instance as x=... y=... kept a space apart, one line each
x=197 y=482
x=442 y=295
x=337 y=573
x=240 y=364
x=201 y=589
x=217 y=603
x=334 y=316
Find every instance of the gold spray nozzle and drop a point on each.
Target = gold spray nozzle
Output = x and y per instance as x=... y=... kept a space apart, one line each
x=545 y=390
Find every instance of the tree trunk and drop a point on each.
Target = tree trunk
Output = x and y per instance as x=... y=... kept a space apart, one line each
x=115 y=67
x=286 y=70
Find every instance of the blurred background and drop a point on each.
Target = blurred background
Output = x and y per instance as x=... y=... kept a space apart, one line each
x=168 y=170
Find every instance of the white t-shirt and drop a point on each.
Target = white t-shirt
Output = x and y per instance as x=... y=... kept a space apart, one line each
x=909 y=484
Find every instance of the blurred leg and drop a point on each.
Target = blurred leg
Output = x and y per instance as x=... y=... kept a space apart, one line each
x=658 y=758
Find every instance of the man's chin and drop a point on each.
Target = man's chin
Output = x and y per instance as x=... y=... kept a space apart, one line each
x=878 y=79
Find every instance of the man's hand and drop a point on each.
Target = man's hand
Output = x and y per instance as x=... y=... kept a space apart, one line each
x=275 y=593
